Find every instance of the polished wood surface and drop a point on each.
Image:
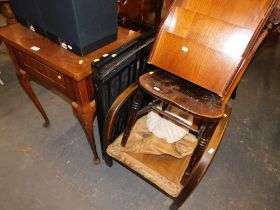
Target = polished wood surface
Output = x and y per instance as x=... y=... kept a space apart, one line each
x=24 y=77
x=56 y=57
x=180 y=93
x=203 y=164
x=246 y=14
x=200 y=65
x=60 y=69
x=205 y=41
x=210 y=49
x=112 y=115
x=149 y=12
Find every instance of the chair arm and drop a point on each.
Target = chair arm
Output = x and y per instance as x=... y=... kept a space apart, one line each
x=201 y=167
x=112 y=113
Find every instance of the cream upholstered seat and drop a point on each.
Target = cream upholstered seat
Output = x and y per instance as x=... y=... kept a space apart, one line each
x=154 y=158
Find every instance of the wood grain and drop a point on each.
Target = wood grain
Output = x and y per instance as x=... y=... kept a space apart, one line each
x=200 y=65
x=183 y=94
x=206 y=41
x=59 y=69
x=247 y=14
x=56 y=57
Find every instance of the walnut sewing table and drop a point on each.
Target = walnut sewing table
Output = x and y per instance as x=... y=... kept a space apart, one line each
x=37 y=57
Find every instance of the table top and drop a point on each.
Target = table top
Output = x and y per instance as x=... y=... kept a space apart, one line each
x=63 y=61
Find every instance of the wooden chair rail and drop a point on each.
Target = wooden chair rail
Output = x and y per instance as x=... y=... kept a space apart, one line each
x=201 y=167
x=192 y=179
x=111 y=76
x=111 y=116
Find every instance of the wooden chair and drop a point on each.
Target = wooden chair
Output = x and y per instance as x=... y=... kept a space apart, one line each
x=204 y=71
x=175 y=176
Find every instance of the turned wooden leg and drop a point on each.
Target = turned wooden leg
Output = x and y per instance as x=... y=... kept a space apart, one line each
x=86 y=113
x=8 y=13
x=24 y=81
x=136 y=103
x=205 y=133
x=164 y=106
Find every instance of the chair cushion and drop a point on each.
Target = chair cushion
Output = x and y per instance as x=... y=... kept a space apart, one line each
x=165 y=129
x=143 y=153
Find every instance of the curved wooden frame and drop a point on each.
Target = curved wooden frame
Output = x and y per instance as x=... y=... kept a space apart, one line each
x=199 y=168
x=111 y=117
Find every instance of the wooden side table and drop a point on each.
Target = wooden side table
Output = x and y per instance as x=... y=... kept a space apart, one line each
x=37 y=57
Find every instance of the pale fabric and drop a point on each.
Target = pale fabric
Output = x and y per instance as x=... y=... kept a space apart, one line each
x=141 y=140
x=165 y=129
x=166 y=185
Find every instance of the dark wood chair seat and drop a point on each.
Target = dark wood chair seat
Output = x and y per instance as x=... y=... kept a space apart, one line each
x=183 y=94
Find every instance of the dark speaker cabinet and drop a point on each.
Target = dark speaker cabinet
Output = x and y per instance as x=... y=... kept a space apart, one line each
x=80 y=26
x=28 y=13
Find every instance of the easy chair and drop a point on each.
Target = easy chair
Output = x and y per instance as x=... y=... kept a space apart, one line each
x=177 y=177
x=201 y=62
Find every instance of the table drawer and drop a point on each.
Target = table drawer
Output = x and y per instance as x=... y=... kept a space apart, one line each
x=36 y=67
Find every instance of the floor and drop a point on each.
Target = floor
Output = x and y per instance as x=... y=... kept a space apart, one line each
x=51 y=169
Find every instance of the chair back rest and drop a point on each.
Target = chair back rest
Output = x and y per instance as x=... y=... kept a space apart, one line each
x=207 y=41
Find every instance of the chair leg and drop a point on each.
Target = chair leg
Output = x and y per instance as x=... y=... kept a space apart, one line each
x=108 y=160
x=164 y=106
x=184 y=194
x=205 y=133
x=136 y=103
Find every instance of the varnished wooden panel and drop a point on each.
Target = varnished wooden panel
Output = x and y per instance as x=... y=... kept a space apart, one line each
x=244 y=13
x=200 y=65
x=205 y=41
x=181 y=93
x=56 y=57
x=146 y=11
x=211 y=32
x=28 y=62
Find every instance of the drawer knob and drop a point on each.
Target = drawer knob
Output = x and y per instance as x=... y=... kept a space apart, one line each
x=59 y=77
